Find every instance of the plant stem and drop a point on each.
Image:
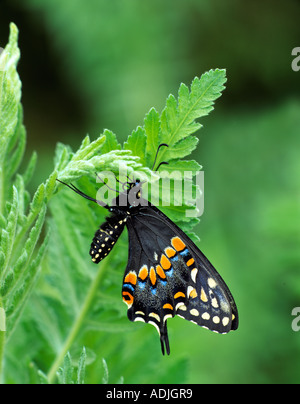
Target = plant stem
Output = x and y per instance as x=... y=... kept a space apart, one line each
x=79 y=320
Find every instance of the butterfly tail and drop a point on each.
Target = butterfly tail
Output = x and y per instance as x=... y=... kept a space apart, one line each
x=164 y=339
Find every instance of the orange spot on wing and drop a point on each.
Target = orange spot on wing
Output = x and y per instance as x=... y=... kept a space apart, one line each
x=178 y=244
x=160 y=272
x=170 y=252
x=128 y=298
x=190 y=262
x=130 y=278
x=143 y=273
x=165 y=263
x=152 y=276
x=179 y=294
x=193 y=294
x=168 y=306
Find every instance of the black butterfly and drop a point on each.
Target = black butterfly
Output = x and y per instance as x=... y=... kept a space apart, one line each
x=166 y=274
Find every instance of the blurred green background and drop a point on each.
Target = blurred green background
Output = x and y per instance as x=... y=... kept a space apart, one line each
x=90 y=65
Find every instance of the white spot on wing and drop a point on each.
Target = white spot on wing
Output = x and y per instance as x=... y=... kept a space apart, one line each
x=211 y=283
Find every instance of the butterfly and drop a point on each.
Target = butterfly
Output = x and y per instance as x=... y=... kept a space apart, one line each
x=166 y=273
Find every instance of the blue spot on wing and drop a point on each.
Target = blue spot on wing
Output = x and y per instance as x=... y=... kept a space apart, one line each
x=184 y=253
x=170 y=272
x=142 y=285
x=129 y=286
x=153 y=291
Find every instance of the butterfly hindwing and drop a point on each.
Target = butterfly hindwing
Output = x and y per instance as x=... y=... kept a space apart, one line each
x=167 y=275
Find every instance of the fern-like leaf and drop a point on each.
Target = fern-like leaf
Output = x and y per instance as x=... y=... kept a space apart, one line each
x=73 y=299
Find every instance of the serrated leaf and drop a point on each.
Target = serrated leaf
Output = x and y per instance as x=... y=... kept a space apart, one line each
x=38 y=199
x=30 y=169
x=85 y=143
x=181 y=166
x=152 y=128
x=62 y=156
x=3 y=221
x=21 y=192
x=65 y=373
x=6 y=284
x=2 y=259
x=111 y=142
x=182 y=148
x=50 y=185
x=178 y=121
x=136 y=142
x=8 y=234
x=25 y=278
x=81 y=367
x=16 y=156
x=21 y=262
x=89 y=151
x=35 y=231
x=10 y=91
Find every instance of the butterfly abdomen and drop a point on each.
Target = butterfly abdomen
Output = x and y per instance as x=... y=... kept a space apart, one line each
x=106 y=237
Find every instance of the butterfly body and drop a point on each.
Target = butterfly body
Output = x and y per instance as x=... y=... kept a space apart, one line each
x=166 y=274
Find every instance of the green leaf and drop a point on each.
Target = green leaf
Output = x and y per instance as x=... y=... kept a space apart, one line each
x=75 y=303
x=136 y=142
x=65 y=373
x=30 y=169
x=111 y=142
x=180 y=165
x=106 y=373
x=43 y=377
x=62 y=156
x=8 y=234
x=178 y=120
x=152 y=128
x=87 y=151
x=50 y=185
x=16 y=155
x=182 y=148
x=81 y=367
x=38 y=199
x=10 y=91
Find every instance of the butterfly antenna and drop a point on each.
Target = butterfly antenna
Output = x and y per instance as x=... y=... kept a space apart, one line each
x=161 y=145
x=73 y=188
x=103 y=182
x=160 y=164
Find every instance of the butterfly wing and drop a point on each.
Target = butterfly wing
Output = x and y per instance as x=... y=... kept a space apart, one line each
x=168 y=275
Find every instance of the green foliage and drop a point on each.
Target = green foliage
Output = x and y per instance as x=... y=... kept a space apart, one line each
x=75 y=304
x=252 y=232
